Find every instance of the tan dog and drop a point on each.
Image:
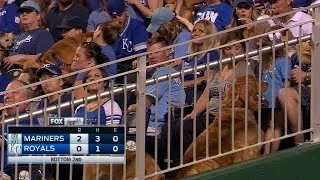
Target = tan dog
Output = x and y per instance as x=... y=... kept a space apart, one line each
x=7 y=40
x=62 y=52
x=6 y=43
x=305 y=52
x=226 y=131
x=117 y=170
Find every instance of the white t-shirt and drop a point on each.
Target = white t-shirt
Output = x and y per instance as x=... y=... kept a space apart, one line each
x=298 y=18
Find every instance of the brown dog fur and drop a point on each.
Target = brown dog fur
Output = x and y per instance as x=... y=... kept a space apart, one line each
x=7 y=40
x=305 y=52
x=226 y=132
x=117 y=170
x=63 y=50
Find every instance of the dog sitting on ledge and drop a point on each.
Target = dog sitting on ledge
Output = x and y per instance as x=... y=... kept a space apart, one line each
x=226 y=131
x=117 y=169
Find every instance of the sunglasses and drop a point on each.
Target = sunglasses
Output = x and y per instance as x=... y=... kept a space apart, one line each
x=244 y=6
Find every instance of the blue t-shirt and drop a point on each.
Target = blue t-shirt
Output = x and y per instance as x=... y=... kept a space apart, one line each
x=106 y=116
x=92 y=5
x=32 y=42
x=161 y=91
x=7 y=167
x=281 y=73
x=191 y=63
x=180 y=51
x=220 y=15
x=65 y=112
x=9 y=19
x=133 y=39
x=111 y=55
x=301 y=3
x=97 y=17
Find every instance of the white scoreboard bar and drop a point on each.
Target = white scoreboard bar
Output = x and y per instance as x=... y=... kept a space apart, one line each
x=66 y=159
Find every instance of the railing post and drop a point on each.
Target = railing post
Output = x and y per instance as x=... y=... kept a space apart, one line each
x=140 y=118
x=315 y=80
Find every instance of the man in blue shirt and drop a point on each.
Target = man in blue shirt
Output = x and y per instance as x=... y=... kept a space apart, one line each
x=9 y=18
x=133 y=34
x=167 y=94
x=220 y=13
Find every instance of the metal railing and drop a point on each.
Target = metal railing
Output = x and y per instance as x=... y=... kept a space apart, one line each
x=143 y=82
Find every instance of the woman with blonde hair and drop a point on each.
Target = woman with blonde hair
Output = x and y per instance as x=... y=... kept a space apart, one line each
x=201 y=28
x=214 y=93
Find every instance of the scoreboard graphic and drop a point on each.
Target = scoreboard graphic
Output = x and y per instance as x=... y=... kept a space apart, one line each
x=61 y=144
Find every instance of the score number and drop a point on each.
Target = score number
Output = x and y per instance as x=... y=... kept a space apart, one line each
x=114 y=139
x=79 y=143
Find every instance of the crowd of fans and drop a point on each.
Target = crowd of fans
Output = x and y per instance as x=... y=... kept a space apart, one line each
x=122 y=28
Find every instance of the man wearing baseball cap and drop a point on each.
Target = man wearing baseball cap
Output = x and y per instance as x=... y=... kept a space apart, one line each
x=64 y=9
x=160 y=16
x=51 y=83
x=72 y=27
x=133 y=35
x=48 y=72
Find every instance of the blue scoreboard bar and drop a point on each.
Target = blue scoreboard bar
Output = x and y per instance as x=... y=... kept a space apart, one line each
x=72 y=141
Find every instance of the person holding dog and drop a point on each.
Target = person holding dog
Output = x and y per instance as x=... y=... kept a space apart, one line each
x=33 y=41
x=214 y=93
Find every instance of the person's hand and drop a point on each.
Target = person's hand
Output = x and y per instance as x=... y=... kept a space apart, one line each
x=190 y=116
x=182 y=19
x=134 y=64
x=132 y=1
x=132 y=108
x=296 y=73
x=8 y=62
x=246 y=21
x=185 y=22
